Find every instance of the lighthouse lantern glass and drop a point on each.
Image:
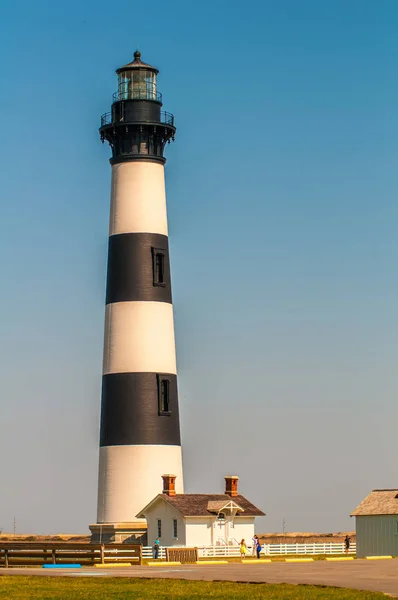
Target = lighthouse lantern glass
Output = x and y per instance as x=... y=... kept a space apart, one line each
x=137 y=84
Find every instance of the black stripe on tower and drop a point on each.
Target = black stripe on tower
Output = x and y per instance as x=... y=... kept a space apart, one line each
x=139 y=408
x=138 y=268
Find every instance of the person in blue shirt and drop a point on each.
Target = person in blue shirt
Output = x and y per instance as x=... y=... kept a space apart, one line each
x=258 y=546
x=156 y=548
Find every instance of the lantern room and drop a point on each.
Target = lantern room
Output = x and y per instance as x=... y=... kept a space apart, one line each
x=137 y=81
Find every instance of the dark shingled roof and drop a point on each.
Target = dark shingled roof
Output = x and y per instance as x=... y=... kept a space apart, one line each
x=196 y=505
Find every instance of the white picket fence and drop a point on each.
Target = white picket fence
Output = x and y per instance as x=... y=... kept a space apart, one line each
x=267 y=549
x=328 y=548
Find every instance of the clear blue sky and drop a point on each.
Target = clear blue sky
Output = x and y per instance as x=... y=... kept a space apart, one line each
x=282 y=195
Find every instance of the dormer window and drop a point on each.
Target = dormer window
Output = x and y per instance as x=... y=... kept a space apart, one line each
x=221 y=516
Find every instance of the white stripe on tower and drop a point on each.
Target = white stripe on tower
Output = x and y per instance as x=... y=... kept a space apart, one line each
x=139 y=338
x=140 y=433
x=147 y=211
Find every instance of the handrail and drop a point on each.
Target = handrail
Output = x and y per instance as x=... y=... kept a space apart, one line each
x=165 y=117
x=28 y=553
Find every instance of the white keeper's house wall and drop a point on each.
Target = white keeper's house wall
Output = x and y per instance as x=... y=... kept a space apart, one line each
x=243 y=528
x=211 y=532
x=196 y=531
x=166 y=514
x=376 y=521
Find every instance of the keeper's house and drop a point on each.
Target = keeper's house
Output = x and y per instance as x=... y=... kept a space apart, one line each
x=200 y=519
x=377 y=524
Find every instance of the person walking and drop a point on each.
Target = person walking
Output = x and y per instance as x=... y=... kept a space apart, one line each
x=156 y=548
x=347 y=541
x=243 y=549
x=254 y=545
x=258 y=547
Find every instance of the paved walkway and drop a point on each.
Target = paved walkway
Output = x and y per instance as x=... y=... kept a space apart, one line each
x=377 y=576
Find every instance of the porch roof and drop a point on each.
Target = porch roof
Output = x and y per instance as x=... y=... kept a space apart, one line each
x=216 y=506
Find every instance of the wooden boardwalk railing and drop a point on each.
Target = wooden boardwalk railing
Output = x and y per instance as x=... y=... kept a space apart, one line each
x=39 y=553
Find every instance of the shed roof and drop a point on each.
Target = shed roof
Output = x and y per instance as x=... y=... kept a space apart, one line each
x=197 y=505
x=378 y=502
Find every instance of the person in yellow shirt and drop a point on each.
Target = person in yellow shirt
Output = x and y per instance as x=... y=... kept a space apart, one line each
x=243 y=549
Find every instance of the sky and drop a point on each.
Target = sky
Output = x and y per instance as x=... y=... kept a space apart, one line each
x=282 y=202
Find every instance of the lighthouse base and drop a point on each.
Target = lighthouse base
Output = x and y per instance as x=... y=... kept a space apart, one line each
x=119 y=533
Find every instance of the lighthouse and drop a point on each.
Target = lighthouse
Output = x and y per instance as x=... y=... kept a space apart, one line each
x=140 y=430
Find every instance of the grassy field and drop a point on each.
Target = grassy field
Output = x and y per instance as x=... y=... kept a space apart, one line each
x=102 y=588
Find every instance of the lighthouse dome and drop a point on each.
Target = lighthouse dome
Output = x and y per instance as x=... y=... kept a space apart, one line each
x=137 y=80
x=137 y=64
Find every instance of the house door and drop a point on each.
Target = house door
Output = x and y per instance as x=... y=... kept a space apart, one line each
x=221 y=530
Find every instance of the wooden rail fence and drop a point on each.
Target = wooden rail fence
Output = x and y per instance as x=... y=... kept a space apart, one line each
x=183 y=555
x=13 y=554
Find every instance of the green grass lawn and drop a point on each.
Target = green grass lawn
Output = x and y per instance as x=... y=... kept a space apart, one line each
x=103 y=588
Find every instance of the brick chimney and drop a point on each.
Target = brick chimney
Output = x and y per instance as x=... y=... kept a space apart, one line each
x=169 y=485
x=231 y=485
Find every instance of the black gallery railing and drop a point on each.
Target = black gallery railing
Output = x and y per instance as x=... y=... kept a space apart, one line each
x=166 y=118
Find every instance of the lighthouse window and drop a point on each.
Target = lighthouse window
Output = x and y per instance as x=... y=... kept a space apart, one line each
x=164 y=395
x=158 y=267
x=164 y=400
x=138 y=84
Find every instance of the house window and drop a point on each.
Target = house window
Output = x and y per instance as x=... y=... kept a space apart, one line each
x=164 y=395
x=175 y=529
x=158 y=264
x=159 y=528
x=221 y=516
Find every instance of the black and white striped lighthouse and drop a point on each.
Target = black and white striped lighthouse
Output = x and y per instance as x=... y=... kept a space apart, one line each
x=140 y=431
